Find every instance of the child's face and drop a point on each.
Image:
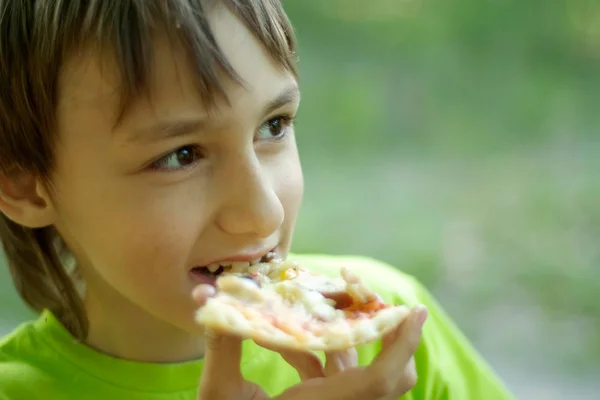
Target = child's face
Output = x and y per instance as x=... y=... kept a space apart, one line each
x=172 y=186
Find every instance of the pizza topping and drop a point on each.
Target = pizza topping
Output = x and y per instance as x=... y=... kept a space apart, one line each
x=285 y=303
x=321 y=284
x=322 y=298
x=282 y=303
x=296 y=330
x=289 y=273
x=244 y=288
x=252 y=278
x=309 y=302
x=357 y=288
x=342 y=299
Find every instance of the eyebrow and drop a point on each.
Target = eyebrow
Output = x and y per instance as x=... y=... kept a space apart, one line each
x=288 y=95
x=181 y=127
x=168 y=129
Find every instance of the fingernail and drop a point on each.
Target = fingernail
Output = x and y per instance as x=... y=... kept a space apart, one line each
x=420 y=316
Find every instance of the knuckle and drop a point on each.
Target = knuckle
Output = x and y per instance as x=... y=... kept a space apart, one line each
x=382 y=383
x=408 y=380
x=413 y=342
x=213 y=341
x=411 y=378
x=208 y=393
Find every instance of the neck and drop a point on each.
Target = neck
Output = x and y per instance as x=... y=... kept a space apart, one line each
x=123 y=330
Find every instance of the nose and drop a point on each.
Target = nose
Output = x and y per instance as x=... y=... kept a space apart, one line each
x=250 y=202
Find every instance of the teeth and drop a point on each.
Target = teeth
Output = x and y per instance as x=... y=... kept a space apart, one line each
x=240 y=264
x=213 y=267
x=271 y=256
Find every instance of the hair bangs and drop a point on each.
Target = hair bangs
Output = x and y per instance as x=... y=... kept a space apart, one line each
x=126 y=31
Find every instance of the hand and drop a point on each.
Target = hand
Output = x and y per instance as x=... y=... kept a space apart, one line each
x=388 y=377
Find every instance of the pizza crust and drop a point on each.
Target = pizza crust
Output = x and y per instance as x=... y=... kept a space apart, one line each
x=227 y=318
x=290 y=307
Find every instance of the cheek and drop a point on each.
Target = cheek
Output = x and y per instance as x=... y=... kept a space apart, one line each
x=124 y=228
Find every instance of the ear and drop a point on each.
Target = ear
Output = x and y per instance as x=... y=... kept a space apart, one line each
x=25 y=200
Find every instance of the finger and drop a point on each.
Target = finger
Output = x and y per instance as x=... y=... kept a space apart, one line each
x=222 y=377
x=390 y=338
x=383 y=378
x=384 y=371
x=401 y=344
x=201 y=293
x=350 y=384
x=222 y=356
x=407 y=380
x=411 y=365
x=306 y=363
x=347 y=385
x=405 y=384
x=338 y=361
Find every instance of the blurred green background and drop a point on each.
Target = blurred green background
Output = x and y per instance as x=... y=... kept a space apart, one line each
x=459 y=141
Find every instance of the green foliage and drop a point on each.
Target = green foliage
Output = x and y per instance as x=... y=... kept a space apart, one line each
x=459 y=141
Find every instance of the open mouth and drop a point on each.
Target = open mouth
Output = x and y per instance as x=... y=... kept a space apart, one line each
x=213 y=270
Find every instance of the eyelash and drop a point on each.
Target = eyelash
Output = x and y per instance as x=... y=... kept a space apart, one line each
x=194 y=151
x=162 y=163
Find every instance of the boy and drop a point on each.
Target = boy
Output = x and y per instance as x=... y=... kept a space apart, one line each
x=140 y=139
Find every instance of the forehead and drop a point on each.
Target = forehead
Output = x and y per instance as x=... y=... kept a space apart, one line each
x=91 y=82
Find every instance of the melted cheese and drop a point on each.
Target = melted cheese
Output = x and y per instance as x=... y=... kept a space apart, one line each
x=298 y=289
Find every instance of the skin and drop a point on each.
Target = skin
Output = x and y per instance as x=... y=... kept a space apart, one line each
x=137 y=229
x=139 y=211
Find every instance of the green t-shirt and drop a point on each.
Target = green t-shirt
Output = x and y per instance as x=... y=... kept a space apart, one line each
x=40 y=360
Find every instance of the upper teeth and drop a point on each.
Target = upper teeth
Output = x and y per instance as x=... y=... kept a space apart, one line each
x=234 y=264
x=213 y=267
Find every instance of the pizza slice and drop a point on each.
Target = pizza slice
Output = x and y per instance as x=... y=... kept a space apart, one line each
x=288 y=306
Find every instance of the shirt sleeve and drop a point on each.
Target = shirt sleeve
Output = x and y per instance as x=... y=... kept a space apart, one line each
x=448 y=366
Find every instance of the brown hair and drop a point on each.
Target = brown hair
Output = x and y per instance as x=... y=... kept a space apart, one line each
x=36 y=37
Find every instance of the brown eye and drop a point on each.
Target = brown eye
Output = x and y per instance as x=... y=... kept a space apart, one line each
x=275 y=128
x=185 y=156
x=178 y=159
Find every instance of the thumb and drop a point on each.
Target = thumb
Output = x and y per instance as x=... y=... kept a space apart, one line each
x=221 y=377
x=222 y=354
